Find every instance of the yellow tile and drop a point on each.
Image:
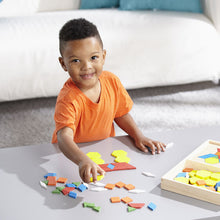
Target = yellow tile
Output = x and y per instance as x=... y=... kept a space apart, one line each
x=212 y=160
x=93 y=155
x=215 y=176
x=182 y=179
x=121 y=159
x=192 y=173
x=203 y=174
x=117 y=153
x=99 y=177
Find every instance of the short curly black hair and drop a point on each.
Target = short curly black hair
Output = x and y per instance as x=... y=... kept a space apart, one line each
x=77 y=29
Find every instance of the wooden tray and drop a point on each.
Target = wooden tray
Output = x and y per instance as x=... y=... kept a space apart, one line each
x=192 y=161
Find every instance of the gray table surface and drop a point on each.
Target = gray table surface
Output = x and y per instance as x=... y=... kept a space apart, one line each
x=21 y=169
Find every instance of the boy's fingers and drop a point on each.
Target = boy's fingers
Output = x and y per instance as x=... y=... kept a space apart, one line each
x=86 y=175
x=94 y=175
x=100 y=171
x=143 y=148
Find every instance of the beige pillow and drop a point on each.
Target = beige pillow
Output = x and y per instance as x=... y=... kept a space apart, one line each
x=58 y=5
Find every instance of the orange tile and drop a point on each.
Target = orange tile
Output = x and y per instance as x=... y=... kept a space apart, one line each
x=120 y=184
x=126 y=199
x=110 y=186
x=115 y=199
x=62 y=180
x=129 y=186
x=51 y=181
x=201 y=182
x=187 y=170
x=210 y=188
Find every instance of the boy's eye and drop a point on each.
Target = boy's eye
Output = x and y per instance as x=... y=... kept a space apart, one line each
x=75 y=60
x=94 y=57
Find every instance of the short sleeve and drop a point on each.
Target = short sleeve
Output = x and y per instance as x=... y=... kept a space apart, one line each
x=65 y=116
x=125 y=103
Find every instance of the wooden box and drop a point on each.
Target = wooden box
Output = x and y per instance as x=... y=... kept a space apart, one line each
x=193 y=161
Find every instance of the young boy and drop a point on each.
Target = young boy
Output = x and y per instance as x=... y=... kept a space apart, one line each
x=91 y=99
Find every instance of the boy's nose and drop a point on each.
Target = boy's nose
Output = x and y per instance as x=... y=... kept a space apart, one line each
x=86 y=65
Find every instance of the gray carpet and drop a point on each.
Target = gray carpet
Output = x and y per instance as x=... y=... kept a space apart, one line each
x=28 y=122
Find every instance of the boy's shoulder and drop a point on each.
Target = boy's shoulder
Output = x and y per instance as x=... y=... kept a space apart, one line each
x=109 y=76
x=69 y=91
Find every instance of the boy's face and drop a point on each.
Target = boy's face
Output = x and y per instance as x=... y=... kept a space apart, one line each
x=83 y=60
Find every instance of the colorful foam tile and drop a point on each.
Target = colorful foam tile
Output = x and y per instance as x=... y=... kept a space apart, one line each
x=72 y=194
x=66 y=190
x=56 y=191
x=88 y=204
x=117 y=153
x=121 y=159
x=212 y=160
x=192 y=173
x=217 y=185
x=120 y=184
x=182 y=179
x=81 y=187
x=203 y=174
x=50 y=174
x=76 y=184
x=127 y=199
x=118 y=166
x=210 y=182
x=201 y=182
x=136 y=205
x=115 y=199
x=70 y=185
x=193 y=180
x=215 y=177
x=99 y=177
x=43 y=185
x=151 y=206
x=110 y=186
x=60 y=188
x=97 y=208
x=130 y=209
x=210 y=188
x=111 y=166
x=207 y=156
x=129 y=186
x=98 y=189
x=51 y=181
x=62 y=180
x=182 y=174
x=137 y=191
x=187 y=170
x=98 y=160
x=148 y=174
x=93 y=155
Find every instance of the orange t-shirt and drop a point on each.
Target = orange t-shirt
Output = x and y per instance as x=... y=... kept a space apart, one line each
x=91 y=121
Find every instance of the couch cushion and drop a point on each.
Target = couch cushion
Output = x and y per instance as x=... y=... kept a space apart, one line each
x=171 y=5
x=10 y=8
x=92 y=4
x=58 y=5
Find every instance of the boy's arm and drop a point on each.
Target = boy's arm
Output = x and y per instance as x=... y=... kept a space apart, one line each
x=72 y=151
x=127 y=123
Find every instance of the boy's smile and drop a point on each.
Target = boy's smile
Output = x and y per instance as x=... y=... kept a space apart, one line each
x=83 y=60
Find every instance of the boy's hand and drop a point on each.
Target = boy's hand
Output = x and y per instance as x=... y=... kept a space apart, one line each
x=88 y=167
x=146 y=144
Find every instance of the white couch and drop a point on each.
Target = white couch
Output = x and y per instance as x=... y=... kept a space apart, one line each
x=144 y=48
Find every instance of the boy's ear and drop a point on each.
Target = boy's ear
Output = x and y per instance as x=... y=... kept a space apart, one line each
x=62 y=63
x=104 y=55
